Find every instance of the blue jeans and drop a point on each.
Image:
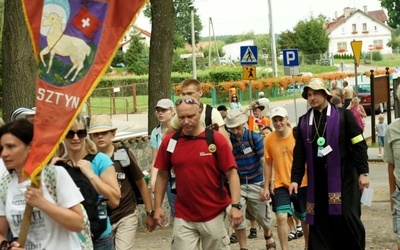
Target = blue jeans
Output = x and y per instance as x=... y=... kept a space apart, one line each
x=105 y=243
x=171 y=196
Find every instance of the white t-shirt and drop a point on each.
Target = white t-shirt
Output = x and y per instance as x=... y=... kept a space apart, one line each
x=43 y=233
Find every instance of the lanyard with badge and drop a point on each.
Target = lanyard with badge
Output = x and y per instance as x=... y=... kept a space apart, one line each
x=322 y=151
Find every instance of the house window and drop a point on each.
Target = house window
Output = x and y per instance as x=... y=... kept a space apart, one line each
x=341 y=47
x=354 y=27
x=378 y=44
x=364 y=27
x=375 y=28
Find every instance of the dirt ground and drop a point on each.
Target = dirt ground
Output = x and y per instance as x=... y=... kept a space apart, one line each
x=376 y=219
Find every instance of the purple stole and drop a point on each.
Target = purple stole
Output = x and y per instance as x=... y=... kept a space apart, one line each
x=333 y=161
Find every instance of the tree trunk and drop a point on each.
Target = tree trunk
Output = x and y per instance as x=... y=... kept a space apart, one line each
x=19 y=63
x=161 y=51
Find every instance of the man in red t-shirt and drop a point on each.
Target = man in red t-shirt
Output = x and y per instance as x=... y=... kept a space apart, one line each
x=200 y=208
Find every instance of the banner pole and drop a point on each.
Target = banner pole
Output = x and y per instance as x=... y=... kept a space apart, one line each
x=26 y=219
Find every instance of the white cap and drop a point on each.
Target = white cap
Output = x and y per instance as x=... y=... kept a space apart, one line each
x=22 y=112
x=165 y=104
x=279 y=111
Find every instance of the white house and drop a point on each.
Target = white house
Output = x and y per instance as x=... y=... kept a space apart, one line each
x=134 y=30
x=362 y=25
x=232 y=50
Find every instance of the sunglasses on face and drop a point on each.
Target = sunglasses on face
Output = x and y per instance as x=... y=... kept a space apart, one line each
x=187 y=101
x=81 y=133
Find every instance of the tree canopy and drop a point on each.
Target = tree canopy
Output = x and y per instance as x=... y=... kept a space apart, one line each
x=182 y=23
x=309 y=36
x=393 y=11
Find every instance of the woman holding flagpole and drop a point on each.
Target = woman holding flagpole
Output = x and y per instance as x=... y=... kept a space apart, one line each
x=56 y=215
x=100 y=172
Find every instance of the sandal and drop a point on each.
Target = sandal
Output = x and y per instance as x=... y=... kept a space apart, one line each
x=292 y=236
x=233 y=238
x=299 y=231
x=253 y=233
x=270 y=246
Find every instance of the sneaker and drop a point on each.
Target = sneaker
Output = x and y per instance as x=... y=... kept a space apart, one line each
x=233 y=238
x=253 y=233
x=292 y=236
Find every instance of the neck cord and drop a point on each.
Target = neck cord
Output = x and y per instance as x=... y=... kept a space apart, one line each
x=316 y=129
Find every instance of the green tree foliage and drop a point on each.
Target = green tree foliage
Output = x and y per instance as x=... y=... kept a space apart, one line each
x=311 y=37
x=182 y=24
x=287 y=40
x=137 y=57
x=118 y=59
x=393 y=11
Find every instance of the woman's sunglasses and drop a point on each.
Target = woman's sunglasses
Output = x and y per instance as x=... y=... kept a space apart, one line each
x=81 y=133
x=187 y=101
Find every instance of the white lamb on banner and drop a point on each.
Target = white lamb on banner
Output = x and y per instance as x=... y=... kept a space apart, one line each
x=63 y=45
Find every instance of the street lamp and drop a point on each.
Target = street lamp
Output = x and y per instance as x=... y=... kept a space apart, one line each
x=191 y=6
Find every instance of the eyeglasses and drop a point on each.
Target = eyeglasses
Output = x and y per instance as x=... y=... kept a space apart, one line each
x=81 y=133
x=187 y=101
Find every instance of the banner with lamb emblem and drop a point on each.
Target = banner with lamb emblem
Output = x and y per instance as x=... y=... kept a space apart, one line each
x=74 y=41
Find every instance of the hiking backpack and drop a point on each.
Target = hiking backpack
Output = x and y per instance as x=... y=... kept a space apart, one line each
x=209 y=137
x=97 y=226
x=127 y=171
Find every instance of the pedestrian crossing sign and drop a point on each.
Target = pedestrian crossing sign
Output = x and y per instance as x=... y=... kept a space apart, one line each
x=249 y=72
x=248 y=55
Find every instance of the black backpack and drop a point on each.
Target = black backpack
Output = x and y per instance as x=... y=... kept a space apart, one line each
x=97 y=226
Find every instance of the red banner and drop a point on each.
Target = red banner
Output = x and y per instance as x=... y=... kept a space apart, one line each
x=74 y=41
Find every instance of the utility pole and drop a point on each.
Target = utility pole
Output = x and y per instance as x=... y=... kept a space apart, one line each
x=273 y=45
x=191 y=6
x=215 y=40
x=209 y=43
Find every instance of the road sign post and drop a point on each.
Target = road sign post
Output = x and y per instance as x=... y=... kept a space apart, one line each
x=249 y=57
x=291 y=66
x=356 y=47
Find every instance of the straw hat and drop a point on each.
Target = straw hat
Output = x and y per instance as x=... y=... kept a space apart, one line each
x=100 y=123
x=315 y=84
x=235 y=118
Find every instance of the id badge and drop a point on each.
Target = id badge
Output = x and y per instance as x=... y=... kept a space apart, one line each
x=320 y=154
x=247 y=150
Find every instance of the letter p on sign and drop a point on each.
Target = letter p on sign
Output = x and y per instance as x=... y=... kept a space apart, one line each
x=290 y=57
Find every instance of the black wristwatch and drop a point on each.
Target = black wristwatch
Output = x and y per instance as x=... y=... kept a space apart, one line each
x=150 y=213
x=237 y=205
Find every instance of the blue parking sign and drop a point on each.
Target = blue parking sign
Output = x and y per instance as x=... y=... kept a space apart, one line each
x=290 y=57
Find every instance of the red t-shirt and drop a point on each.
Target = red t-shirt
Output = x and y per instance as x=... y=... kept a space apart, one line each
x=198 y=175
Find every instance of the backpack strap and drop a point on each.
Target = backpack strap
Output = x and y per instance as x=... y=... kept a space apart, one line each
x=208 y=120
x=49 y=175
x=251 y=142
x=4 y=183
x=128 y=172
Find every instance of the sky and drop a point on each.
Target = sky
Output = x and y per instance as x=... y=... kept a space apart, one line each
x=234 y=17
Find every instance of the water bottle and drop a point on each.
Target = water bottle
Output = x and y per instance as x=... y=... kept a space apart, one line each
x=101 y=208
